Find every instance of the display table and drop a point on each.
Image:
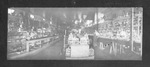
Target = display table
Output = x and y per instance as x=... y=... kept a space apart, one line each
x=79 y=50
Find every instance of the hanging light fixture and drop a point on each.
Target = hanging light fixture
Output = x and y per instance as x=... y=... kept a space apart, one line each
x=32 y=16
x=10 y=11
x=100 y=17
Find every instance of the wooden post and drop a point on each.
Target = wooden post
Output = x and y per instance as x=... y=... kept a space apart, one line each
x=138 y=23
x=27 y=46
x=132 y=29
x=141 y=30
x=97 y=20
x=64 y=40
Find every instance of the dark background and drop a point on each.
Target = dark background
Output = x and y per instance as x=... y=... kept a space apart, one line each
x=5 y=4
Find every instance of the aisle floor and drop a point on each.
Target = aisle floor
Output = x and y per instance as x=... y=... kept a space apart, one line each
x=105 y=55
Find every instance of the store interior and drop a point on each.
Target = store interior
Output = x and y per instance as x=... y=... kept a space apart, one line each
x=75 y=33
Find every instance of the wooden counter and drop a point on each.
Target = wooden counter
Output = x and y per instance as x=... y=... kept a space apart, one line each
x=79 y=50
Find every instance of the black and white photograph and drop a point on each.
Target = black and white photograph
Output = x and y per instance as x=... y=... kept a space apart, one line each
x=74 y=33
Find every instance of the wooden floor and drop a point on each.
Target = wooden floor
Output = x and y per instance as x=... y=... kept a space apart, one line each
x=80 y=58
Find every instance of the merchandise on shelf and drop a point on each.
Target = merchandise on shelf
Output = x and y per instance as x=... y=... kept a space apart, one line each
x=137 y=27
x=121 y=26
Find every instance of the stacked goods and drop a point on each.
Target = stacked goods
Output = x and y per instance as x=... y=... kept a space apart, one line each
x=118 y=29
x=137 y=27
x=91 y=51
x=68 y=52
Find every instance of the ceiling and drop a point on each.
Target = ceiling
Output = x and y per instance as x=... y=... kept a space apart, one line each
x=63 y=14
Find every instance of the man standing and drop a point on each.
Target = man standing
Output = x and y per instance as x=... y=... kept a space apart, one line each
x=91 y=41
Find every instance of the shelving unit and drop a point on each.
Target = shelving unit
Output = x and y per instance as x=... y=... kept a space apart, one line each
x=137 y=25
x=113 y=26
x=126 y=28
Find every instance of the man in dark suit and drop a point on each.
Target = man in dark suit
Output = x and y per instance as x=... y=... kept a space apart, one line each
x=91 y=41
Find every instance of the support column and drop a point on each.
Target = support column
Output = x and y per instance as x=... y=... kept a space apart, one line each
x=132 y=29
x=141 y=31
x=138 y=23
x=64 y=40
x=27 y=46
